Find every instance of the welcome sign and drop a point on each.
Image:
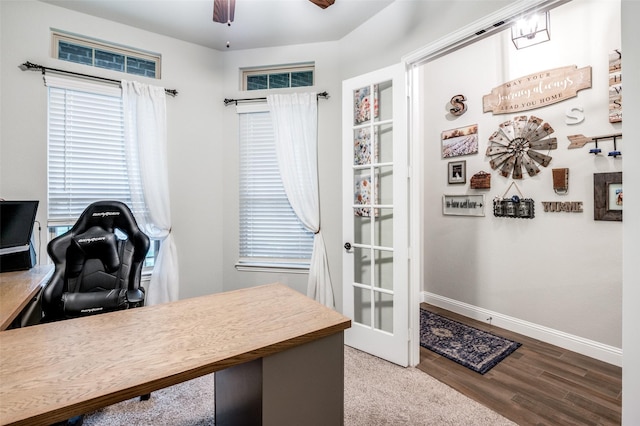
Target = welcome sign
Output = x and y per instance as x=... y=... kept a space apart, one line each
x=537 y=90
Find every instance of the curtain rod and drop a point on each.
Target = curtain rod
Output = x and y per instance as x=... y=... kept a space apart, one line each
x=31 y=66
x=227 y=101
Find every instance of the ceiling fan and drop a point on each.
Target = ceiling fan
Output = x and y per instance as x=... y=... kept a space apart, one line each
x=223 y=10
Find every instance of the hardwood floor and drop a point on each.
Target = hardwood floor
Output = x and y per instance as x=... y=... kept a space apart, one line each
x=538 y=384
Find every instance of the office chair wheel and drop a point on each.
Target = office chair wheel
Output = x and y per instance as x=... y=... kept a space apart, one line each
x=145 y=397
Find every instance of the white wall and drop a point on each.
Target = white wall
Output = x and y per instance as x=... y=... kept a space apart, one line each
x=202 y=132
x=558 y=270
x=328 y=156
x=194 y=126
x=631 y=224
x=202 y=147
x=395 y=31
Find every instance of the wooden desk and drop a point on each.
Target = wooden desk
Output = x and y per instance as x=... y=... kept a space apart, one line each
x=18 y=288
x=54 y=371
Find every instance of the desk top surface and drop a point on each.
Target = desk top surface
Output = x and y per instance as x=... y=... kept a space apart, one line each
x=16 y=290
x=79 y=365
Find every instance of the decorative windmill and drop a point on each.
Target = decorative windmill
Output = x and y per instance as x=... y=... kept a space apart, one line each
x=516 y=144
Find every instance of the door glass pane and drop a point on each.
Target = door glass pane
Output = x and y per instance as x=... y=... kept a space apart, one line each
x=383 y=145
x=383 y=101
x=363 y=147
x=362 y=306
x=384 y=228
x=384 y=185
x=363 y=192
x=361 y=229
x=383 y=269
x=383 y=312
x=362 y=101
x=362 y=265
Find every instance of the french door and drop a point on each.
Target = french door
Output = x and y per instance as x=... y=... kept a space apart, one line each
x=375 y=208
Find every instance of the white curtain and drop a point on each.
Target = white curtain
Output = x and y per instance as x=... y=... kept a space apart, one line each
x=146 y=141
x=295 y=124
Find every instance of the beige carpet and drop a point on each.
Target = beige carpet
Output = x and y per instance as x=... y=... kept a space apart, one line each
x=376 y=393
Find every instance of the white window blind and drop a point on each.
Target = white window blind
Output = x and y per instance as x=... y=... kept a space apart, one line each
x=87 y=156
x=270 y=233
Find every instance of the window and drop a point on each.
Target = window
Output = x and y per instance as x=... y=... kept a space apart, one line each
x=86 y=152
x=278 y=78
x=271 y=235
x=83 y=50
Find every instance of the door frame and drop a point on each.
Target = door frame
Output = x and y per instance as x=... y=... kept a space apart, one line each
x=465 y=36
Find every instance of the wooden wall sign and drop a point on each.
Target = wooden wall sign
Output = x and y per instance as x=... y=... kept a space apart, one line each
x=615 y=87
x=560 y=181
x=537 y=90
x=481 y=180
x=562 y=206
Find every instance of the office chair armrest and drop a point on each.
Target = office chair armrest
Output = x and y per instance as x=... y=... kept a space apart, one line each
x=81 y=304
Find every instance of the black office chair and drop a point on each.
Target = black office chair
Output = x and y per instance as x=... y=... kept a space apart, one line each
x=98 y=264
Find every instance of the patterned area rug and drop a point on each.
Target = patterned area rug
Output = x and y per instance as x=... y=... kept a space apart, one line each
x=475 y=349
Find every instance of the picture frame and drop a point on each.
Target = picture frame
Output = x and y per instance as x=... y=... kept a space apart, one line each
x=463 y=205
x=460 y=141
x=607 y=196
x=457 y=172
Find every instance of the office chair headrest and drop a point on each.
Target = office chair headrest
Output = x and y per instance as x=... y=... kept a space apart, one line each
x=98 y=243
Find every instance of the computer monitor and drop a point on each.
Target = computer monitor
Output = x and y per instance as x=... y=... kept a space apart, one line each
x=16 y=222
x=16 y=225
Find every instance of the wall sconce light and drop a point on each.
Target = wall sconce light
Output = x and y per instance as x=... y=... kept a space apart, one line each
x=531 y=30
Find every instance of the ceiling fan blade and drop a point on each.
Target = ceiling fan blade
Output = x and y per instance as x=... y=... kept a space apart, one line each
x=223 y=11
x=322 y=3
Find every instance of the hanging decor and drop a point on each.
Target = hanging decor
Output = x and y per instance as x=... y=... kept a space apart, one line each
x=481 y=180
x=560 y=181
x=615 y=87
x=514 y=206
x=537 y=90
x=578 y=141
x=516 y=144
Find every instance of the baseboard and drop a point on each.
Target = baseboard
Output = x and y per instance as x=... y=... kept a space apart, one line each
x=590 y=348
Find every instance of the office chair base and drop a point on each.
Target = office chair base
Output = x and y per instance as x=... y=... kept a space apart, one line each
x=74 y=421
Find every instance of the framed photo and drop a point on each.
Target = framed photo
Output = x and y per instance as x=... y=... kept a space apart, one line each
x=457 y=172
x=460 y=141
x=607 y=196
x=463 y=205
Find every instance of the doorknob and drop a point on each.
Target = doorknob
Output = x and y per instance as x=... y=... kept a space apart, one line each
x=347 y=246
